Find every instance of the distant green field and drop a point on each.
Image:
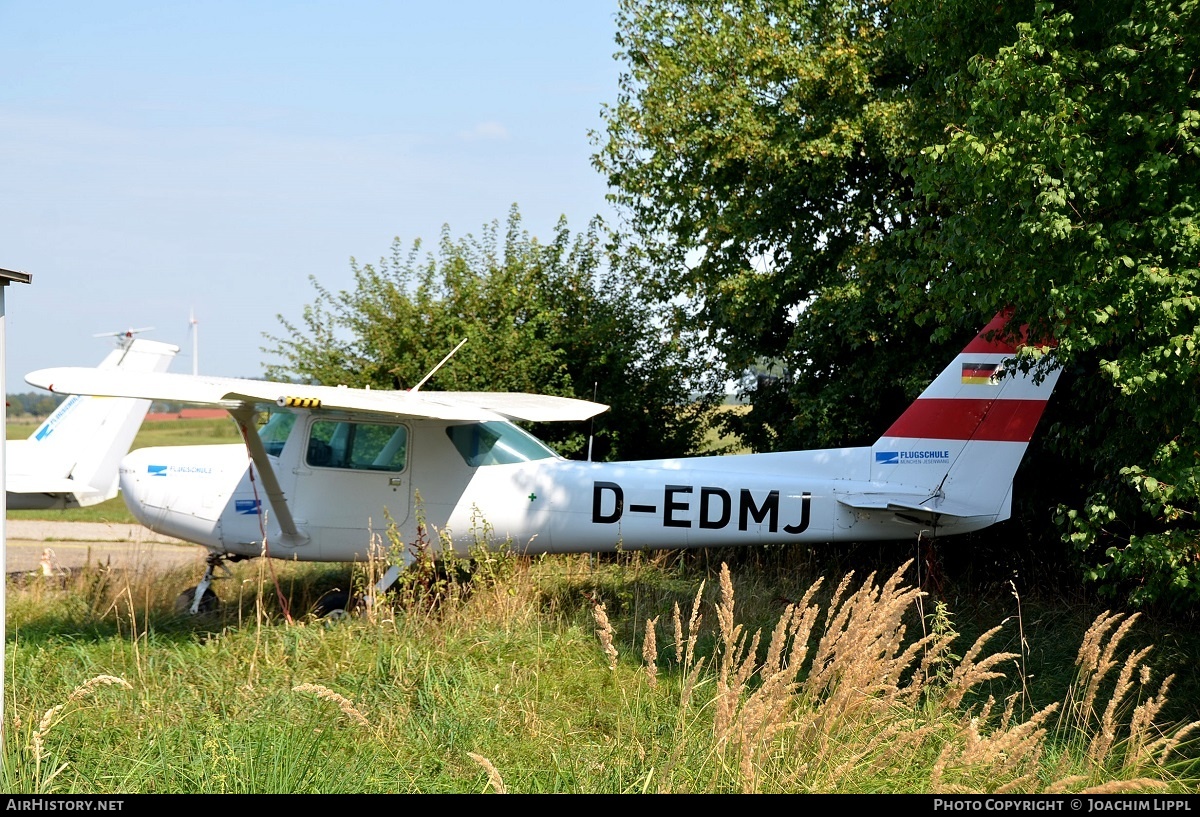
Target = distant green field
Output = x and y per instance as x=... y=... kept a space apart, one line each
x=166 y=432
x=724 y=443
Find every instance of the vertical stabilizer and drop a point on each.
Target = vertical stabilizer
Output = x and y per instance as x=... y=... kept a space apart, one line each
x=959 y=444
x=71 y=459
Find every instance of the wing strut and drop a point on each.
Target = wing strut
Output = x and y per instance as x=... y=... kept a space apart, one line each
x=244 y=415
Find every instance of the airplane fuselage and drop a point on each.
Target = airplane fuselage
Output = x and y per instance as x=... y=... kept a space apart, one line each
x=348 y=478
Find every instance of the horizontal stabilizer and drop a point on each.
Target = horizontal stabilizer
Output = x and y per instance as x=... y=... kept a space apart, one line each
x=900 y=503
x=43 y=484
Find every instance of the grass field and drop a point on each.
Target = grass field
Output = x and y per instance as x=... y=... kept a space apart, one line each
x=751 y=670
x=570 y=674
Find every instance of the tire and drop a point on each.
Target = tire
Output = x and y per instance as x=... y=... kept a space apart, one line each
x=333 y=606
x=208 y=602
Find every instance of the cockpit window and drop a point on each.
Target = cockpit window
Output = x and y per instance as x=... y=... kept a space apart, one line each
x=275 y=433
x=357 y=446
x=496 y=443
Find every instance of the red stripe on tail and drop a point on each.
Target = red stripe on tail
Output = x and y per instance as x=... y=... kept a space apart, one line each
x=992 y=338
x=998 y=343
x=941 y=418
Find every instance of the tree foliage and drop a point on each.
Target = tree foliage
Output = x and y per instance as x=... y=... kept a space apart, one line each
x=555 y=318
x=851 y=188
x=1069 y=189
x=751 y=148
x=759 y=149
x=32 y=403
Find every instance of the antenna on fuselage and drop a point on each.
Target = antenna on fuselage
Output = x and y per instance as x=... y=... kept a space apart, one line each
x=440 y=365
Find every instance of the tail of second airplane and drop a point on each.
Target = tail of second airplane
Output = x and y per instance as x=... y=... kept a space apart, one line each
x=950 y=459
x=72 y=459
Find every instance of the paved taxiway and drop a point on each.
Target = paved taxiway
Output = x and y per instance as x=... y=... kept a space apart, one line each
x=71 y=545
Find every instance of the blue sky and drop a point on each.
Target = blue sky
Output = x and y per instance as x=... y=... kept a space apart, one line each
x=166 y=159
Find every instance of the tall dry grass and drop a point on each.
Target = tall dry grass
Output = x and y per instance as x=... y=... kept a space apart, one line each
x=481 y=676
x=841 y=700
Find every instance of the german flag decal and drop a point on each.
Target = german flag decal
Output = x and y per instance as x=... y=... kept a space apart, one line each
x=980 y=373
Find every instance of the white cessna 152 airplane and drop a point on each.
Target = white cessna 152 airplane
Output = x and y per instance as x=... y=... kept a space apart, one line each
x=330 y=460
x=71 y=460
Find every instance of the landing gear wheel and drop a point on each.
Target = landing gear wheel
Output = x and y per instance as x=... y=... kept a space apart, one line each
x=208 y=601
x=333 y=606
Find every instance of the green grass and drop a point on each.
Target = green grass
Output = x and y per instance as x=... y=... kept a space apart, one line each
x=543 y=676
x=165 y=432
x=629 y=673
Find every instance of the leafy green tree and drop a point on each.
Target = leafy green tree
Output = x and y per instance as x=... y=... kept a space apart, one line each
x=37 y=404
x=758 y=148
x=850 y=188
x=1068 y=188
x=557 y=318
x=759 y=151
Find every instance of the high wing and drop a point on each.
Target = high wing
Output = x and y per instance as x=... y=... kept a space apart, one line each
x=239 y=396
x=232 y=393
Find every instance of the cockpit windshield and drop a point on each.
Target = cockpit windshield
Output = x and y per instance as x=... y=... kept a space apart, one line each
x=497 y=443
x=275 y=433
